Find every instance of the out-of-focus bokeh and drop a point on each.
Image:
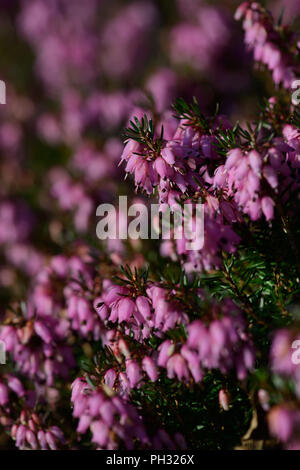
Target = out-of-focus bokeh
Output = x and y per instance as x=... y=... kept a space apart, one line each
x=75 y=73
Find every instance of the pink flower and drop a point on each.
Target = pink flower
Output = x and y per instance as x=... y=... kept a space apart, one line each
x=224 y=399
x=193 y=361
x=126 y=307
x=51 y=440
x=42 y=439
x=267 y=205
x=168 y=156
x=31 y=439
x=281 y=422
x=234 y=157
x=271 y=176
x=264 y=399
x=166 y=350
x=143 y=306
x=3 y=394
x=150 y=368
x=176 y=366
x=255 y=161
x=20 y=436
x=15 y=385
x=42 y=331
x=107 y=412
x=110 y=377
x=100 y=433
x=133 y=372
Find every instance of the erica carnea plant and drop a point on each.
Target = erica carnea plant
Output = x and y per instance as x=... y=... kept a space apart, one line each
x=145 y=344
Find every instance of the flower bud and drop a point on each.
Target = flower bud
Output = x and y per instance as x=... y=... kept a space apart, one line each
x=224 y=399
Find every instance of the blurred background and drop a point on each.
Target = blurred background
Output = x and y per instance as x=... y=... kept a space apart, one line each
x=75 y=73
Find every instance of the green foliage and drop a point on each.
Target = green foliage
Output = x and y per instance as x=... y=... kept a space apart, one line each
x=143 y=131
x=191 y=113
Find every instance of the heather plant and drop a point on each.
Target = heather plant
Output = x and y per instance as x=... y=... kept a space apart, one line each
x=148 y=344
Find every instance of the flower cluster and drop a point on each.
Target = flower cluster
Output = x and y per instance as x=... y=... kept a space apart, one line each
x=273 y=47
x=113 y=421
x=38 y=348
x=223 y=345
x=30 y=433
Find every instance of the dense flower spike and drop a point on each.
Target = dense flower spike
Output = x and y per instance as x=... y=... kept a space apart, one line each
x=271 y=46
